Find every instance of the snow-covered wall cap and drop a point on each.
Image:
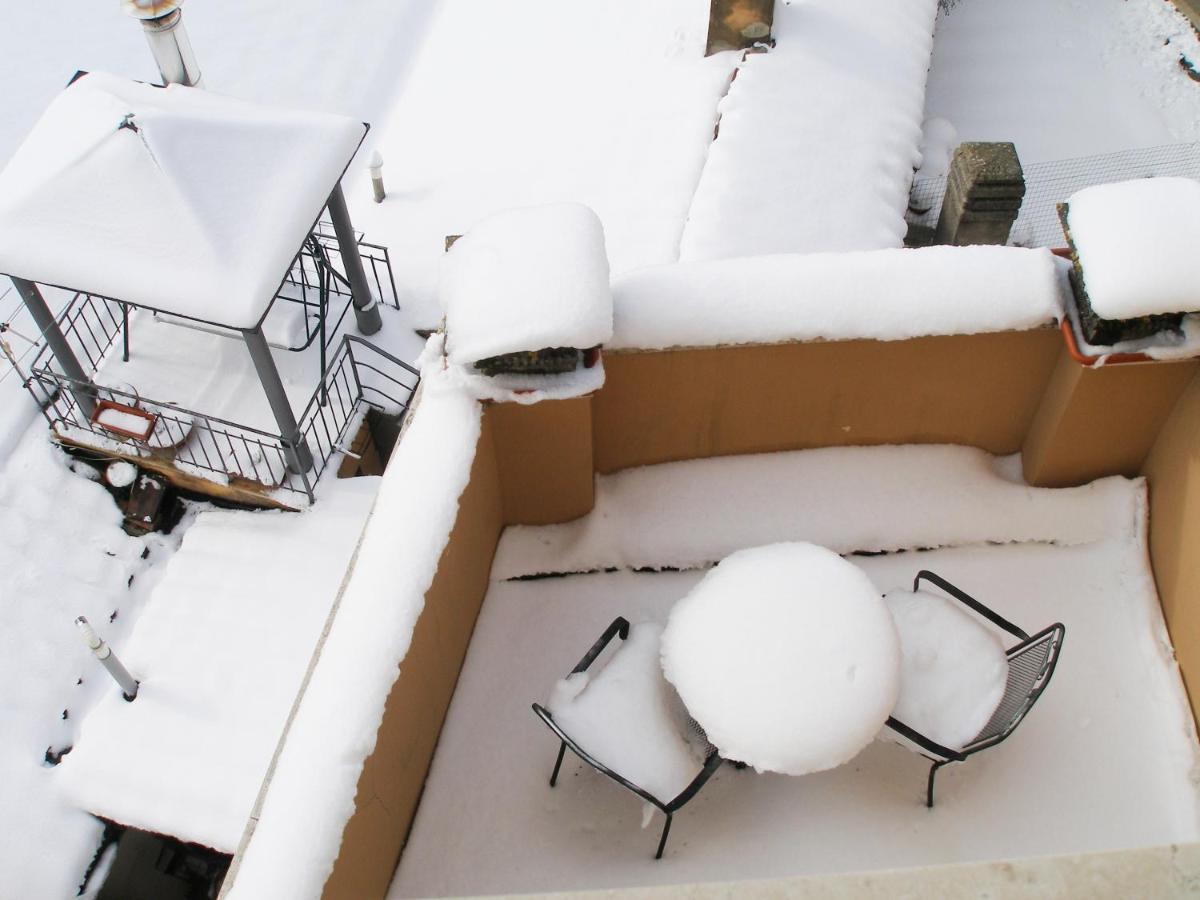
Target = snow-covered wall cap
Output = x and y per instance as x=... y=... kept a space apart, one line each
x=291 y=849
x=885 y=295
x=527 y=279
x=1136 y=243
x=173 y=198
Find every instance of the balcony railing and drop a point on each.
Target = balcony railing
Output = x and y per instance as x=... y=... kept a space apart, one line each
x=356 y=376
x=360 y=376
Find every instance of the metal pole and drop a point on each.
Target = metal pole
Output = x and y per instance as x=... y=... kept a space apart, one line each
x=79 y=384
x=299 y=457
x=375 y=166
x=162 y=22
x=366 y=309
x=108 y=659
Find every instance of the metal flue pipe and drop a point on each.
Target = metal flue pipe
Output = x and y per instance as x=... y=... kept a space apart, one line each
x=108 y=659
x=162 y=22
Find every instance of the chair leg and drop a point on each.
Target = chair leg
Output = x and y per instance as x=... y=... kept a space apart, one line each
x=662 y=841
x=932 y=774
x=562 y=748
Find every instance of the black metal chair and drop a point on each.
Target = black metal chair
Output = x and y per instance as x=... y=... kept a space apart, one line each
x=1031 y=663
x=712 y=760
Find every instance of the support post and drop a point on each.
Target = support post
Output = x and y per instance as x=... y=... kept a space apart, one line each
x=984 y=191
x=366 y=309
x=299 y=456
x=80 y=385
x=108 y=659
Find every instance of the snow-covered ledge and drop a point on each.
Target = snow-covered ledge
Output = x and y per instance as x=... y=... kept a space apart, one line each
x=885 y=295
x=294 y=834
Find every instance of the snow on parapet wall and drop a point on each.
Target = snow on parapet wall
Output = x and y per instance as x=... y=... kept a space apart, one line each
x=819 y=136
x=693 y=513
x=882 y=295
x=291 y=844
x=527 y=279
x=1136 y=243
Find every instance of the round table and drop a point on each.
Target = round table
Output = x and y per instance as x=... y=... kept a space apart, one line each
x=786 y=656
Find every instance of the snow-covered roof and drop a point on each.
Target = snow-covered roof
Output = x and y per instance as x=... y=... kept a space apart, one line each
x=176 y=199
x=527 y=279
x=1135 y=243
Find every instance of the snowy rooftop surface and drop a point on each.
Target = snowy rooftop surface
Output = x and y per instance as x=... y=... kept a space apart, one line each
x=881 y=294
x=296 y=828
x=527 y=279
x=787 y=657
x=220 y=649
x=522 y=836
x=819 y=136
x=198 y=209
x=1136 y=243
x=615 y=109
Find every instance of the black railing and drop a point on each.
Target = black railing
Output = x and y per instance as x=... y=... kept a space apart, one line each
x=361 y=376
x=317 y=281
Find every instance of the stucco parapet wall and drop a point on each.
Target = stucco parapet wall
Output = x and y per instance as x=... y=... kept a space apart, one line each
x=1191 y=9
x=1164 y=872
x=883 y=295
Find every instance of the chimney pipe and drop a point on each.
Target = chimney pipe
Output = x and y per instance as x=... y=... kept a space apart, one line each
x=162 y=21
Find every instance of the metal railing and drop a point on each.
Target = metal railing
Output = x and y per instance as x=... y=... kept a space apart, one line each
x=318 y=276
x=361 y=375
x=355 y=376
x=1050 y=183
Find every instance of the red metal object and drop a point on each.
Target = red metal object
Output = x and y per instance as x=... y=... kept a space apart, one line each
x=149 y=418
x=1108 y=359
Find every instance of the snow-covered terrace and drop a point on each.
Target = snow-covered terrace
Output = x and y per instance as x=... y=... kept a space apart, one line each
x=1104 y=768
x=1104 y=761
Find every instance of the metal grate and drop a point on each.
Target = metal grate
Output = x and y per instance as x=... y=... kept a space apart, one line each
x=1029 y=667
x=1050 y=183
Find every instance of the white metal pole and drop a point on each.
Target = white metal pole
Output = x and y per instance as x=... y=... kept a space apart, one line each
x=108 y=659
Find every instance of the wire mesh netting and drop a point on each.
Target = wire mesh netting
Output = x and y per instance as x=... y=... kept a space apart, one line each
x=1050 y=183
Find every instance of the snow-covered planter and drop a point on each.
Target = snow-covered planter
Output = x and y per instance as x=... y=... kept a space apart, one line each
x=1135 y=271
x=526 y=292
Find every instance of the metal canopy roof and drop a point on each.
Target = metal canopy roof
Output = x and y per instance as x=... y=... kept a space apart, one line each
x=171 y=198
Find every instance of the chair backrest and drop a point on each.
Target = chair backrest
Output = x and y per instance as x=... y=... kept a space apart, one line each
x=1030 y=665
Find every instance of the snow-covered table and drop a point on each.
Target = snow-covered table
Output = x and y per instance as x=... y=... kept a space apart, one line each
x=787 y=656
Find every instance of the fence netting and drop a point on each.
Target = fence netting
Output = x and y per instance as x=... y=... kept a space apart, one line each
x=1050 y=183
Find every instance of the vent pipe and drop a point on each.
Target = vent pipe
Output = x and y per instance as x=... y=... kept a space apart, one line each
x=162 y=21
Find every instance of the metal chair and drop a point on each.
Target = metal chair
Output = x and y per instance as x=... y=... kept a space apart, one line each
x=712 y=761
x=1031 y=663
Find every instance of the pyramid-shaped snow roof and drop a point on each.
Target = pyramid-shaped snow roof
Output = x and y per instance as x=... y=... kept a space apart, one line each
x=172 y=198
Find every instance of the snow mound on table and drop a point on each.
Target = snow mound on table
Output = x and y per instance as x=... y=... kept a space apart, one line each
x=527 y=279
x=786 y=656
x=629 y=718
x=819 y=136
x=692 y=513
x=883 y=295
x=952 y=669
x=1135 y=243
